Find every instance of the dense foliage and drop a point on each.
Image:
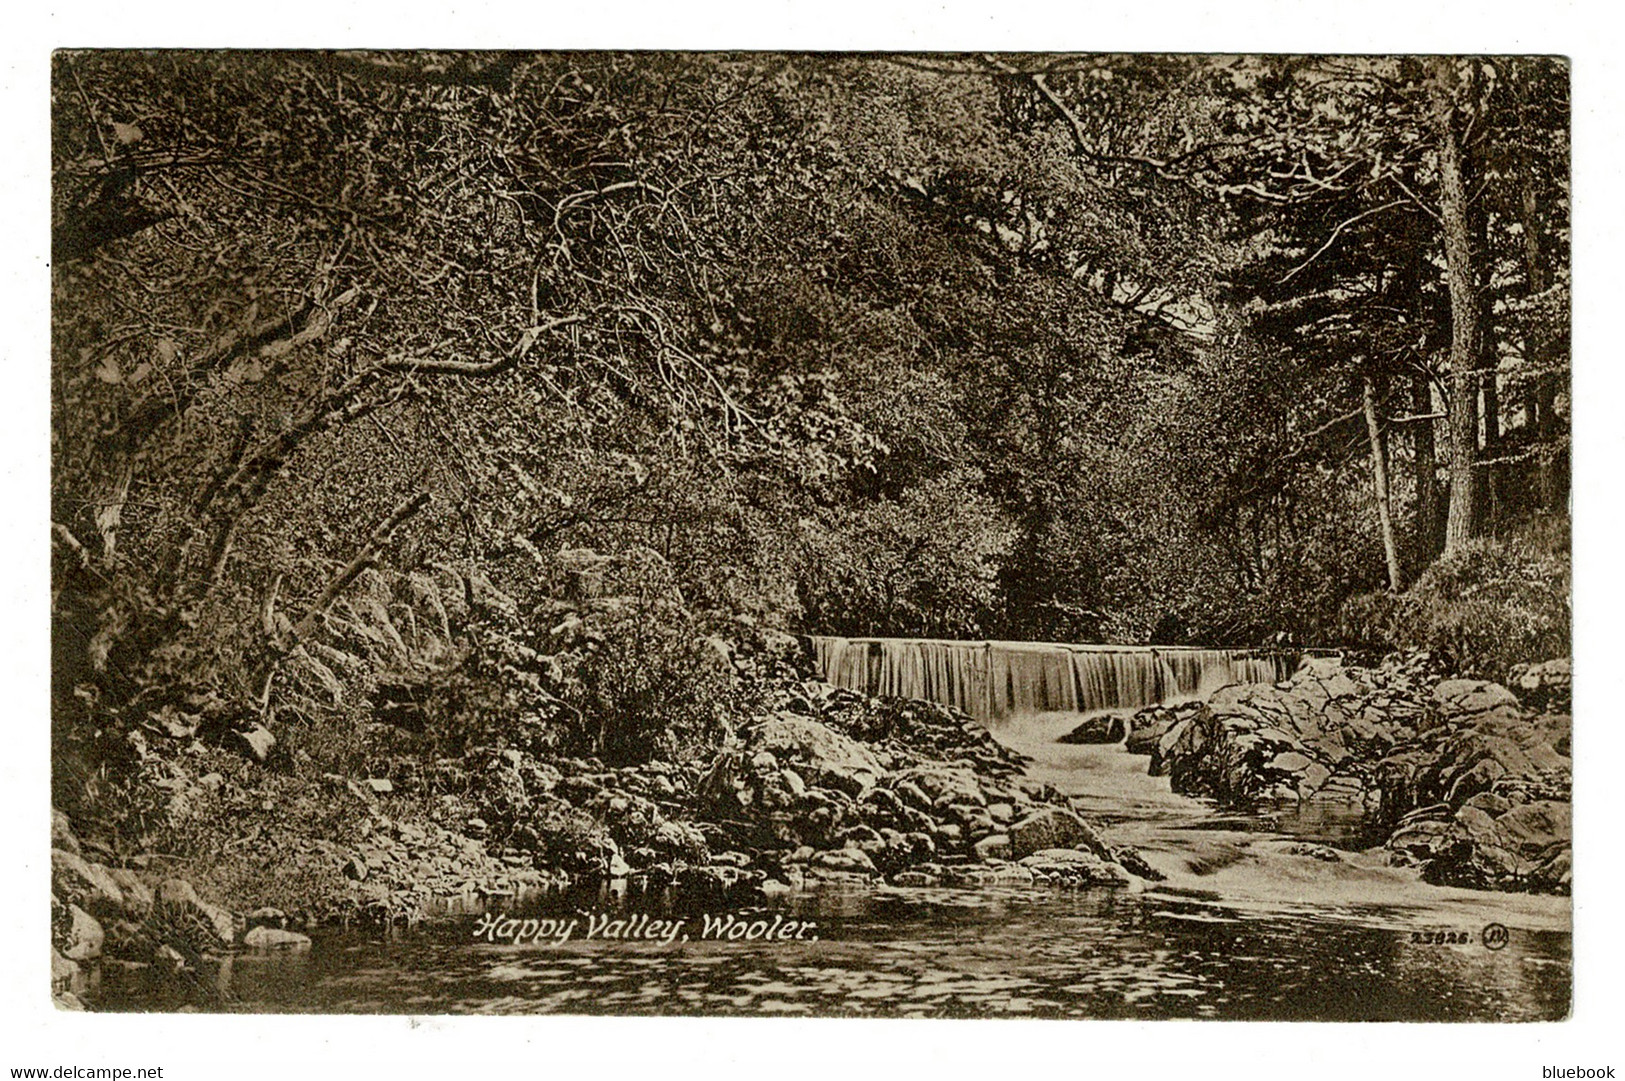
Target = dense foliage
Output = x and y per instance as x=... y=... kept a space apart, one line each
x=565 y=365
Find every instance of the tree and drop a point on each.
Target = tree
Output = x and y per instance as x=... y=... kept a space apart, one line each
x=1450 y=115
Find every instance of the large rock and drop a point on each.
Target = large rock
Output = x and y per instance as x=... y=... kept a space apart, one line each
x=1525 y=847
x=275 y=938
x=66 y=976
x=1150 y=725
x=1077 y=868
x=1466 y=696
x=993 y=846
x=87 y=884
x=1103 y=728
x=1501 y=750
x=1545 y=686
x=1534 y=830
x=256 y=741
x=933 y=787
x=83 y=936
x=1052 y=827
x=847 y=860
x=817 y=753
x=182 y=912
x=62 y=835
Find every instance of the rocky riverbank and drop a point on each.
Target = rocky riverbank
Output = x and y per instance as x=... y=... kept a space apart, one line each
x=1470 y=780
x=821 y=786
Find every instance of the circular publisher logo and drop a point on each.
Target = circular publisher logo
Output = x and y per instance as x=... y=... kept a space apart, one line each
x=1496 y=936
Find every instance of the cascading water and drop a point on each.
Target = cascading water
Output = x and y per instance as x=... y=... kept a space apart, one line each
x=994 y=680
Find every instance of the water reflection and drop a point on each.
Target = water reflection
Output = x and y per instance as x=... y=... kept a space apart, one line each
x=1246 y=926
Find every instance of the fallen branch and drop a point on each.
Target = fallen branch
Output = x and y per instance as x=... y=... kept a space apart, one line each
x=365 y=557
x=380 y=538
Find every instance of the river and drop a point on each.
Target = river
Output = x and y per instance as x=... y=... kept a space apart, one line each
x=1252 y=922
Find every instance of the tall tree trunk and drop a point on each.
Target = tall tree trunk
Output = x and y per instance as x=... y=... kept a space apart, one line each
x=1407 y=293
x=1540 y=392
x=1379 y=481
x=1427 y=466
x=1460 y=274
x=1488 y=490
x=1488 y=359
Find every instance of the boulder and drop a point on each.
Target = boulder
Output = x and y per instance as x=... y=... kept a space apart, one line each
x=1147 y=727
x=916 y=877
x=1050 y=828
x=1314 y=778
x=1533 y=829
x=89 y=885
x=682 y=840
x=934 y=787
x=1555 y=875
x=66 y=976
x=847 y=860
x=83 y=937
x=993 y=846
x=1468 y=696
x=818 y=753
x=1290 y=762
x=991 y=874
x=179 y=908
x=266 y=916
x=1525 y=847
x=256 y=740
x=1074 y=867
x=1103 y=728
x=1545 y=686
x=1425 y=841
x=275 y=938
x=62 y=835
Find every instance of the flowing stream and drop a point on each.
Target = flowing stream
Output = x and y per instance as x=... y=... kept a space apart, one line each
x=1249 y=924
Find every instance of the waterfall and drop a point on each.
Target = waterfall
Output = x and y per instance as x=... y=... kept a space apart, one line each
x=993 y=680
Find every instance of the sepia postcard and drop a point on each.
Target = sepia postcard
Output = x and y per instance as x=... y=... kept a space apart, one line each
x=908 y=535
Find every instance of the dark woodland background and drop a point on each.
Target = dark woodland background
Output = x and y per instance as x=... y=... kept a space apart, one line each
x=514 y=388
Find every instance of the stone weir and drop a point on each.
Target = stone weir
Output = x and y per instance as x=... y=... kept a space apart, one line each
x=995 y=680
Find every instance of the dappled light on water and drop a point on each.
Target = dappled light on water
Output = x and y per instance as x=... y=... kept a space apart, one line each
x=1270 y=915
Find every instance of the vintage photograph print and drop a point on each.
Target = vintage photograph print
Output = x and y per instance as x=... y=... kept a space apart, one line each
x=943 y=535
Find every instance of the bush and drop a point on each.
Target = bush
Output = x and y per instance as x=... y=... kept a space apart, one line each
x=1494 y=604
x=643 y=679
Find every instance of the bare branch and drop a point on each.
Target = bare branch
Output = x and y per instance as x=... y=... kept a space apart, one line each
x=1333 y=238
x=381 y=536
x=366 y=556
x=476 y=367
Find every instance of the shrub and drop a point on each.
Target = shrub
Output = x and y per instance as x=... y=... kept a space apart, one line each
x=1495 y=603
x=644 y=680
